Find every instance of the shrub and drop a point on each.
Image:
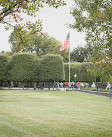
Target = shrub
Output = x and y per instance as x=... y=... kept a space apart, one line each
x=51 y=68
x=22 y=67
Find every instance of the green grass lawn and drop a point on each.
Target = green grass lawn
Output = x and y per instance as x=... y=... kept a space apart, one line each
x=54 y=114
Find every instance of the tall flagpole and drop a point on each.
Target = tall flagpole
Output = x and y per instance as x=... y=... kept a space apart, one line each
x=69 y=62
x=67 y=45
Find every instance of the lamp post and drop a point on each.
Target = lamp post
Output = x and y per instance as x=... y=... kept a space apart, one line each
x=75 y=77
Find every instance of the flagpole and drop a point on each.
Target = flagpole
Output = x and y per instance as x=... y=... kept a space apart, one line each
x=69 y=64
x=67 y=45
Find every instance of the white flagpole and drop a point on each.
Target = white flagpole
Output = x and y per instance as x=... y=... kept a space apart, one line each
x=69 y=62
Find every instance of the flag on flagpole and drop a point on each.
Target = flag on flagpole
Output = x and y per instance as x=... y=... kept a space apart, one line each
x=66 y=43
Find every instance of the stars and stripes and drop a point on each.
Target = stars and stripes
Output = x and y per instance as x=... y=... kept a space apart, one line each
x=66 y=43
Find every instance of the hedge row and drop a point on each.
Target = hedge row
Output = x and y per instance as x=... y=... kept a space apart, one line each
x=27 y=67
x=80 y=69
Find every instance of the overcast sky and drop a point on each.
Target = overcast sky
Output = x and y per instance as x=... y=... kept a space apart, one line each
x=54 y=23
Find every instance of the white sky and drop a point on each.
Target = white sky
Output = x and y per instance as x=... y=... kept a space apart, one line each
x=54 y=23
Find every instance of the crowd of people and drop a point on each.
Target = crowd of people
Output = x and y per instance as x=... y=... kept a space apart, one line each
x=73 y=85
x=81 y=85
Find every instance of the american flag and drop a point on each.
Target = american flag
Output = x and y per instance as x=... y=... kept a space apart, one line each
x=66 y=43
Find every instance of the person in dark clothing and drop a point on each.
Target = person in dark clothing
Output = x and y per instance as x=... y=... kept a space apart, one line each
x=97 y=87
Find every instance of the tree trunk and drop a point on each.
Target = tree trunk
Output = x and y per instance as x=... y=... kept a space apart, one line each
x=35 y=85
x=9 y=84
x=49 y=85
x=23 y=85
x=12 y=84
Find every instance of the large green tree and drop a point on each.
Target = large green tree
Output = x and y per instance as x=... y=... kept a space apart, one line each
x=22 y=38
x=31 y=40
x=43 y=44
x=80 y=54
x=95 y=18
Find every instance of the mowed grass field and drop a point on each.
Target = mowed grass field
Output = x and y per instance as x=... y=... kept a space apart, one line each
x=27 y=113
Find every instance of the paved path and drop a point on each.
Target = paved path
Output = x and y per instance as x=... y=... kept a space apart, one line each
x=106 y=94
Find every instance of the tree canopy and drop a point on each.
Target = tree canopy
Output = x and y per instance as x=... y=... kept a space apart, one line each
x=32 y=40
x=95 y=18
x=80 y=54
x=22 y=38
x=30 y=7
